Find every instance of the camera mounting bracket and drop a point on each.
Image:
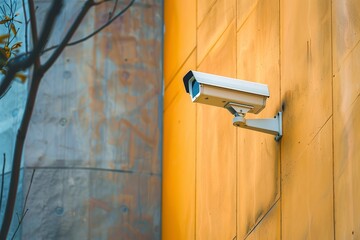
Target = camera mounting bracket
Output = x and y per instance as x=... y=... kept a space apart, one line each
x=268 y=125
x=238 y=109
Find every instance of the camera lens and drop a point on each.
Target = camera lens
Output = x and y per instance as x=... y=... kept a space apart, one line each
x=195 y=88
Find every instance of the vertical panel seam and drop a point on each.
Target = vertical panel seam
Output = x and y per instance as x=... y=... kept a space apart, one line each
x=236 y=129
x=280 y=79
x=332 y=112
x=196 y=123
x=195 y=168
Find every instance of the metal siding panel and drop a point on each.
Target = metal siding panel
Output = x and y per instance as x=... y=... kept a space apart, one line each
x=180 y=35
x=346 y=29
x=244 y=10
x=347 y=173
x=216 y=152
x=346 y=122
x=258 y=153
x=306 y=88
x=269 y=227
x=307 y=191
x=203 y=8
x=213 y=26
x=178 y=209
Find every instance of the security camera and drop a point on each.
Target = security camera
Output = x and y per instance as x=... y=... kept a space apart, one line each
x=237 y=96
x=226 y=92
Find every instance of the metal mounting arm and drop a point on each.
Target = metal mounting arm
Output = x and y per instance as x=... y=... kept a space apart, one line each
x=269 y=125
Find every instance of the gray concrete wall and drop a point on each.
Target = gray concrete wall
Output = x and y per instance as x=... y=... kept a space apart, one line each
x=95 y=136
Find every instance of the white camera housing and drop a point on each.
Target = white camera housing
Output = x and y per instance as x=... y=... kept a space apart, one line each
x=237 y=96
x=224 y=91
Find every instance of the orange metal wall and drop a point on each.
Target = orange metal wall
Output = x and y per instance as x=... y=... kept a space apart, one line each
x=220 y=182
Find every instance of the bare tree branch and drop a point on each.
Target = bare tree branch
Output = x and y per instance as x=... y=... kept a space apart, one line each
x=97 y=30
x=20 y=137
x=2 y=181
x=114 y=9
x=25 y=61
x=25 y=210
x=26 y=26
x=88 y=4
x=20 y=220
x=27 y=194
x=6 y=82
x=34 y=32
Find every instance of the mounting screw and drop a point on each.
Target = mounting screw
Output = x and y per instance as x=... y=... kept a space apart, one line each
x=277 y=138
